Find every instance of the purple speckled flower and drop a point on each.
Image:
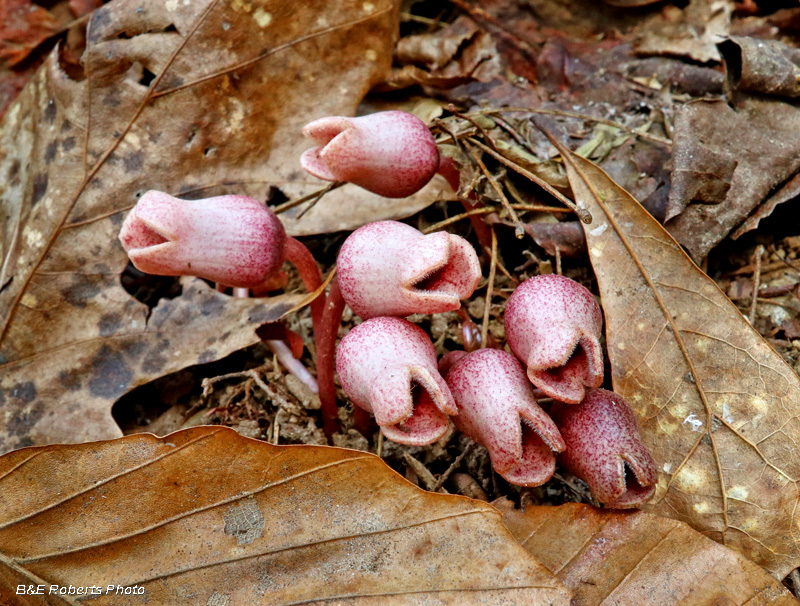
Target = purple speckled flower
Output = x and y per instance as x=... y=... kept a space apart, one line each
x=388 y=367
x=389 y=268
x=553 y=325
x=602 y=439
x=392 y=154
x=233 y=240
x=497 y=408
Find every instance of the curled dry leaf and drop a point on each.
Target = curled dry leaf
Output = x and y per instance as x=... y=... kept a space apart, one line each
x=205 y=516
x=718 y=408
x=768 y=67
x=721 y=179
x=630 y=558
x=102 y=349
x=692 y=32
x=458 y=53
x=197 y=98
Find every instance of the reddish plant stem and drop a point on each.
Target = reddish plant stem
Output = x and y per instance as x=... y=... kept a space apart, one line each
x=303 y=260
x=448 y=170
x=326 y=346
x=363 y=422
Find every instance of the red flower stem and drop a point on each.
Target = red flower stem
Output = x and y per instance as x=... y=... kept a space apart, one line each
x=326 y=348
x=448 y=170
x=298 y=254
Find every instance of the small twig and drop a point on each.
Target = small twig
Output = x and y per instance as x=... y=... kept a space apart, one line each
x=487 y=137
x=209 y=382
x=486 y=210
x=582 y=213
x=586 y=117
x=423 y=473
x=276 y=432
x=558 y=260
x=519 y=229
x=514 y=134
x=454 y=465
x=502 y=268
x=453 y=136
x=379 y=448
x=313 y=196
x=406 y=17
x=756 y=283
x=489 y=288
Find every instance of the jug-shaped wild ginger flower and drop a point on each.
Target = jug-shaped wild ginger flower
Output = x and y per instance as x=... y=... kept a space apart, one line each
x=553 y=325
x=388 y=367
x=389 y=268
x=497 y=408
x=602 y=439
x=233 y=240
x=392 y=153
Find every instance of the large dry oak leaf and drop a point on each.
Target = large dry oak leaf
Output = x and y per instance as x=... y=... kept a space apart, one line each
x=193 y=97
x=718 y=407
x=616 y=558
x=205 y=516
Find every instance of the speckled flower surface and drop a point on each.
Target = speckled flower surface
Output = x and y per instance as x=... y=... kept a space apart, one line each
x=389 y=268
x=497 y=408
x=602 y=438
x=553 y=324
x=392 y=153
x=233 y=240
x=387 y=366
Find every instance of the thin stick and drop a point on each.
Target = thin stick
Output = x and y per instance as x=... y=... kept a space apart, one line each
x=566 y=114
x=486 y=210
x=379 y=449
x=443 y=478
x=209 y=382
x=315 y=196
x=276 y=435
x=756 y=283
x=489 y=288
x=503 y=269
x=582 y=213
x=541 y=208
x=406 y=17
x=519 y=230
x=558 y=260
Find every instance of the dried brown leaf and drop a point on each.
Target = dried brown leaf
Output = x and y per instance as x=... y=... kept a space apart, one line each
x=620 y=558
x=205 y=516
x=23 y=26
x=718 y=407
x=200 y=98
x=692 y=32
x=762 y=66
x=763 y=155
x=458 y=53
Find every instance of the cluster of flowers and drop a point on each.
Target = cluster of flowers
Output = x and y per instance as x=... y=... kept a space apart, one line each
x=389 y=270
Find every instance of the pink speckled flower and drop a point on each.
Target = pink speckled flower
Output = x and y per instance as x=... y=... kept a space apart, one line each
x=497 y=408
x=388 y=367
x=392 y=154
x=553 y=325
x=602 y=439
x=391 y=269
x=233 y=240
